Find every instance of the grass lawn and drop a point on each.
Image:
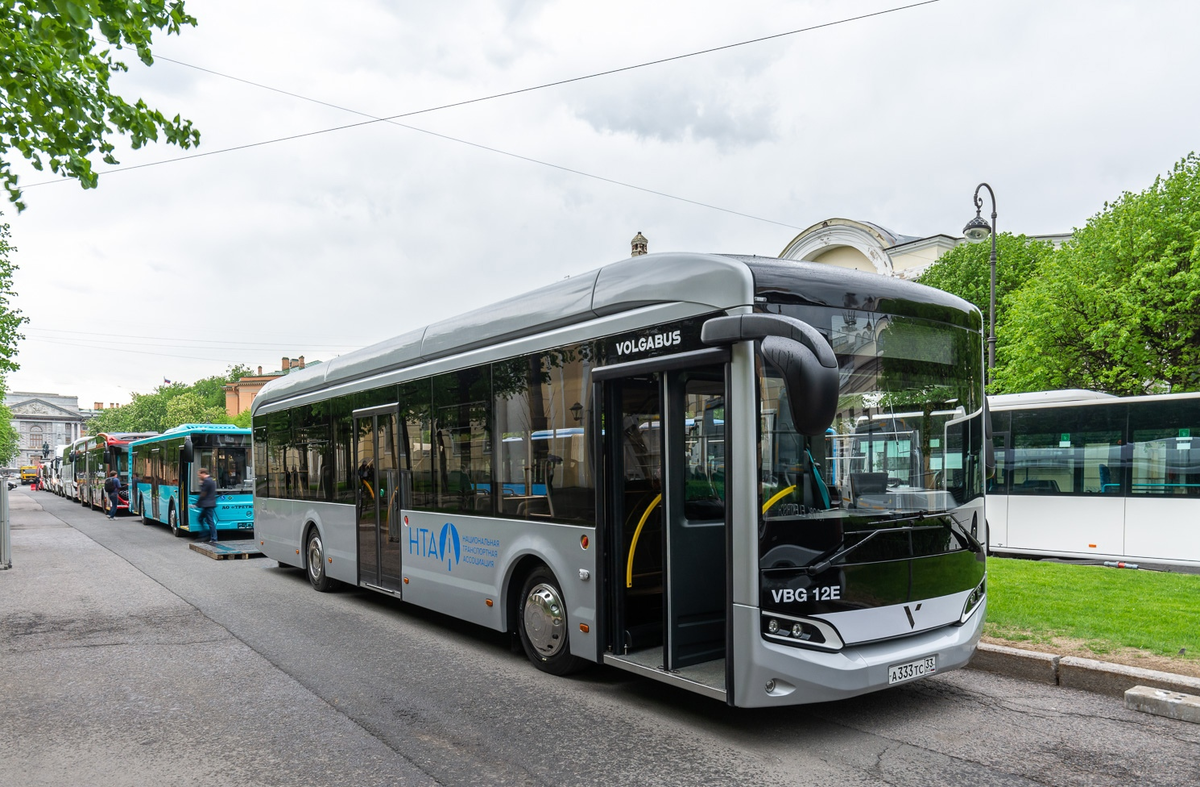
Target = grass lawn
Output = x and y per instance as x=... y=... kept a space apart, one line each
x=1099 y=609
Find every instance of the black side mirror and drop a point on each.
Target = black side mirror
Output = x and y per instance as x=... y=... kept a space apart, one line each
x=800 y=353
x=187 y=453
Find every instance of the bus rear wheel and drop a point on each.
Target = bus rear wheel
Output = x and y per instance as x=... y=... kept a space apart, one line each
x=542 y=623
x=142 y=510
x=314 y=550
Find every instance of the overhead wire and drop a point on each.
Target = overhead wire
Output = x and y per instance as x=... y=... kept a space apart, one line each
x=391 y=119
x=222 y=343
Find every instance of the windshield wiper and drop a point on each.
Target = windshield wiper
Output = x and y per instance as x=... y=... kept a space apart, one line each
x=816 y=568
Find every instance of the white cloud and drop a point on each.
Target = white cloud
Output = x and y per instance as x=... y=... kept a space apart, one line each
x=319 y=245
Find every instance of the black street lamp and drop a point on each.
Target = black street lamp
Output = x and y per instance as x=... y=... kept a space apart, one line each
x=976 y=230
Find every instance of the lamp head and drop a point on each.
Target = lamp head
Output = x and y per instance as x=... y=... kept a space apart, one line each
x=977 y=229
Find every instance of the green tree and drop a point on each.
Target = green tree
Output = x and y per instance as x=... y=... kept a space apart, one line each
x=1117 y=309
x=10 y=440
x=55 y=64
x=11 y=318
x=190 y=408
x=965 y=271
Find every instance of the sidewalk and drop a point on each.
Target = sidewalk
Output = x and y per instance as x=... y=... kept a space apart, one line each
x=109 y=679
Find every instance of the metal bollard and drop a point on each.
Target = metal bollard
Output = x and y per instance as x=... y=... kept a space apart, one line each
x=5 y=539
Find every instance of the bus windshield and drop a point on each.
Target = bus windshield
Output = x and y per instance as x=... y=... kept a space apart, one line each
x=905 y=443
x=229 y=467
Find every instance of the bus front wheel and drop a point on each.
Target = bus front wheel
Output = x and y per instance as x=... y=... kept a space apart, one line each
x=173 y=521
x=542 y=622
x=315 y=562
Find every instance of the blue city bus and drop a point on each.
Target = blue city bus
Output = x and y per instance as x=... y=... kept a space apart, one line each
x=164 y=477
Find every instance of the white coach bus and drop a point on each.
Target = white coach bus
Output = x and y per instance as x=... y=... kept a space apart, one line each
x=1081 y=474
x=637 y=467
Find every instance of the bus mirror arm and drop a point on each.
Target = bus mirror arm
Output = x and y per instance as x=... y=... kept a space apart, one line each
x=806 y=361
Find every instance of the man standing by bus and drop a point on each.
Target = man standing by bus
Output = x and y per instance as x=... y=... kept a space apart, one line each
x=112 y=488
x=206 y=501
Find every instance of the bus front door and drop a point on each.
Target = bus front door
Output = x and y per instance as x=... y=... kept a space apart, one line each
x=155 y=476
x=666 y=526
x=377 y=508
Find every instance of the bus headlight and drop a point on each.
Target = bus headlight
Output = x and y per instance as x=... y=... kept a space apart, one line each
x=802 y=632
x=977 y=595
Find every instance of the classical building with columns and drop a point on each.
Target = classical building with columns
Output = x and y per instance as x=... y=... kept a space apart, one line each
x=43 y=421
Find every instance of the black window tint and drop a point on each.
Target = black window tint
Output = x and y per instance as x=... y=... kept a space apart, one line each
x=1165 y=449
x=1067 y=450
x=543 y=455
x=261 y=488
x=416 y=441
x=461 y=442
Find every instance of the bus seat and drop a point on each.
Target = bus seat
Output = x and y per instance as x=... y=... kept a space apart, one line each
x=867 y=484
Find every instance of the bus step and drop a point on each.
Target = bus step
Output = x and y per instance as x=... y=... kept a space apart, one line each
x=228 y=550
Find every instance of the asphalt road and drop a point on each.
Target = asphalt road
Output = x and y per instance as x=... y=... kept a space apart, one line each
x=126 y=658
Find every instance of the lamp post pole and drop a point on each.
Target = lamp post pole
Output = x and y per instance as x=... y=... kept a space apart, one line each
x=976 y=230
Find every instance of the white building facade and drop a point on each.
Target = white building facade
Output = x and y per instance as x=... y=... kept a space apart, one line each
x=43 y=421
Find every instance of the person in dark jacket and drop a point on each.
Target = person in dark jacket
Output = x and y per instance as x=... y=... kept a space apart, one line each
x=206 y=501
x=112 y=488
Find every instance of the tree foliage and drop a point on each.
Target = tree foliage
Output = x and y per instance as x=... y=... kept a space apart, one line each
x=1116 y=309
x=57 y=108
x=11 y=321
x=10 y=440
x=965 y=271
x=172 y=404
x=11 y=318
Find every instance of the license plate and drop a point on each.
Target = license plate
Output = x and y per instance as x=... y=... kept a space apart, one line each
x=245 y=525
x=913 y=669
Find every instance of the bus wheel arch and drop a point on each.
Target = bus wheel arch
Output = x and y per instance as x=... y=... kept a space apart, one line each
x=541 y=620
x=312 y=558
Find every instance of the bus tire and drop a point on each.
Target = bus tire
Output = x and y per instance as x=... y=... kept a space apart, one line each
x=173 y=521
x=314 y=562
x=142 y=510
x=542 y=624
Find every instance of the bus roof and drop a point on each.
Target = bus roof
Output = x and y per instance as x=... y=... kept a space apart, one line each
x=708 y=282
x=188 y=429
x=1003 y=401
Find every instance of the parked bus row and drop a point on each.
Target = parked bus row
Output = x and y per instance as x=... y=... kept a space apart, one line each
x=159 y=474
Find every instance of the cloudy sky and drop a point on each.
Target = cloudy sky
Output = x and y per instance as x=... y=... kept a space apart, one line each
x=327 y=242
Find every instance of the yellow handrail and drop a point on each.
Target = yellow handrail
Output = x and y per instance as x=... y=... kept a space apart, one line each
x=767 y=505
x=636 y=533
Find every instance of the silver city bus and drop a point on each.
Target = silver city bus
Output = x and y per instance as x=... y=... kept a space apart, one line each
x=639 y=467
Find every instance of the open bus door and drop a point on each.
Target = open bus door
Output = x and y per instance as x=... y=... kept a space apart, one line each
x=665 y=523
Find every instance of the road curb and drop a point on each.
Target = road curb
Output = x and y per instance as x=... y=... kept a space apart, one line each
x=1072 y=672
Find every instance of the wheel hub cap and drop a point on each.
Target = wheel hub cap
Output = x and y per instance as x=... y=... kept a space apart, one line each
x=544 y=620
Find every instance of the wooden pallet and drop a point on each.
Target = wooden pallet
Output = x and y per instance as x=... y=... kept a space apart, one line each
x=227 y=550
